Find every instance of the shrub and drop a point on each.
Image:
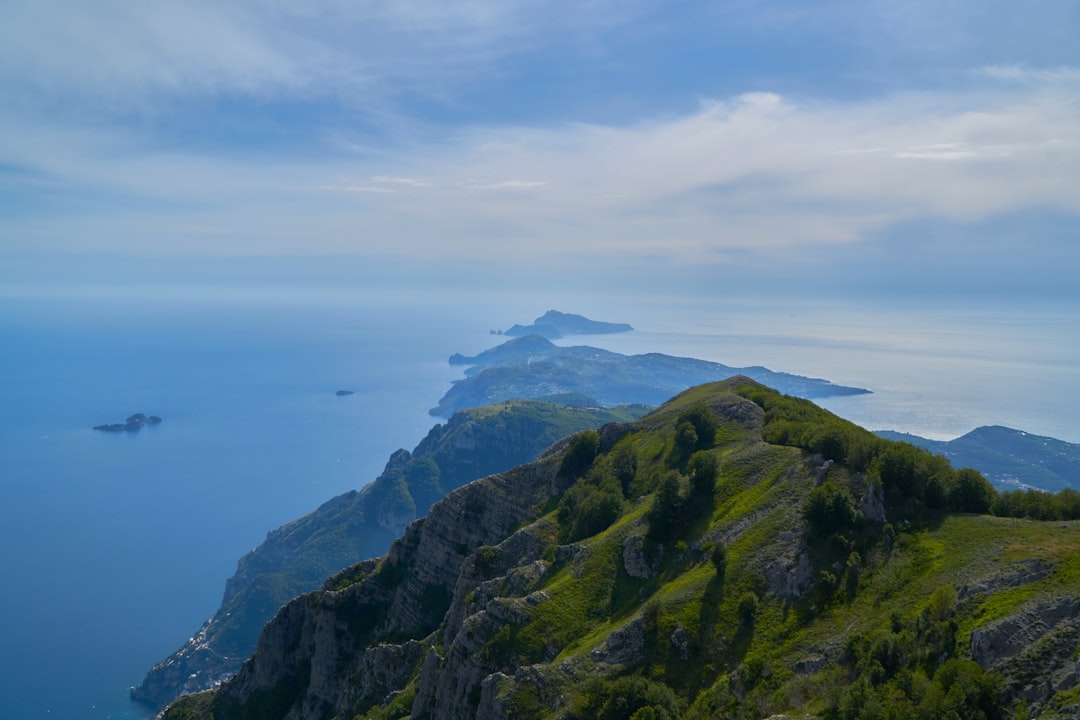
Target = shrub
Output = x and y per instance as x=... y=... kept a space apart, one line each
x=580 y=454
x=941 y=603
x=748 y=607
x=703 y=468
x=705 y=425
x=830 y=509
x=719 y=561
x=630 y=698
x=664 y=516
x=624 y=466
x=971 y=492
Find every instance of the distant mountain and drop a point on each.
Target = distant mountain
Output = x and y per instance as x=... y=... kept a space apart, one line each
x=735 y=554
x=532 y=366
x=1008 y=458
x=298 y=556
x=554 y=324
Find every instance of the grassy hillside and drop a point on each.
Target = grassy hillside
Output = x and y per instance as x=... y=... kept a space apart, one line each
x=737 y=554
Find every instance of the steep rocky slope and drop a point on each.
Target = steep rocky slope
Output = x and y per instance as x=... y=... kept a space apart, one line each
x=298 y=556
x=684 y=566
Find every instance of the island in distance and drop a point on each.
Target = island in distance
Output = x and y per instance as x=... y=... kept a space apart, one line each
x=554 y=325
x=133 y=423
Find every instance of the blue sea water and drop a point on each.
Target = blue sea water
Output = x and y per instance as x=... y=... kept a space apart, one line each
x=115 y=547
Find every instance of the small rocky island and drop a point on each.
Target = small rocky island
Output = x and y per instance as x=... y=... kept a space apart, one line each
x=132 y=424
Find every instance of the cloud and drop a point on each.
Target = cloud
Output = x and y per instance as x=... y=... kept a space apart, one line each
x=756 y=173
x=504 y=185
x=1025 y=74
x=412 y=182
x=117 y=57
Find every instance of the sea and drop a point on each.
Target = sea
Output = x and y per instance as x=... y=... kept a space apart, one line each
x=115 y=547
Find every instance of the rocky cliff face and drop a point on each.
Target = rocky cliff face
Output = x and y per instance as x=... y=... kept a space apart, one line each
x=297 y=557
x=328 y=650
x=707 y=592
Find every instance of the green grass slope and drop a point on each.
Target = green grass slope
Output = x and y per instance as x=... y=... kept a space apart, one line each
x=735 y=554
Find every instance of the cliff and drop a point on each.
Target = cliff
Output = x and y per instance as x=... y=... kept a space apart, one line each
x=735 y=554
x=298 y=556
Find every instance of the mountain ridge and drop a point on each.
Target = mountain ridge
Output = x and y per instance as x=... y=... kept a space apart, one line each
x=734 y=553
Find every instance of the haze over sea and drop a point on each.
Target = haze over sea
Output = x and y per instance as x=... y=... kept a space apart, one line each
x=115 y=547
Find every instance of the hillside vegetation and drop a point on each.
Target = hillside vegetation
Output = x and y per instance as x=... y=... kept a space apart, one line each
x=361 y=524
x=737 y=554
x=1009 y=458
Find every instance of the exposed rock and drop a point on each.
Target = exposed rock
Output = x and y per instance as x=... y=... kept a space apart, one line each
x=811 y=664
x=625 y=646
x=1022 y=573
x=822 y=471
x=344 y=393
x=1029 y=647
x=680 y=642
x=791 y=578
x=634 y=561
x=872 y=504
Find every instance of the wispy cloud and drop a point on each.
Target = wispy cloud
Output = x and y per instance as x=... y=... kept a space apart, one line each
x=358 y=188
x=1033 y=75
x=411 y=182
x=119 y=56
x=504 y=185
x=755 y=172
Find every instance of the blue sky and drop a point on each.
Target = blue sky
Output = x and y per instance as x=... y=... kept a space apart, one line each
x=859 y=146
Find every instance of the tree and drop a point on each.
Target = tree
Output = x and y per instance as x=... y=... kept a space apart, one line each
x=748 y=607
x=667 y=506
x=686 y=439
x=719 y=561
x=703 y=468
x=830 y=509
x=580 y=454
x=624 y=465
x=971 y=492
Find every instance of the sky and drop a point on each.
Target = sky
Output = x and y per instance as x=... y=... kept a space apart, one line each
x=860 y=147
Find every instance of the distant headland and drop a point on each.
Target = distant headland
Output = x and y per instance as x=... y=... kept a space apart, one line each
x=133 y=423
x=554 y=325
